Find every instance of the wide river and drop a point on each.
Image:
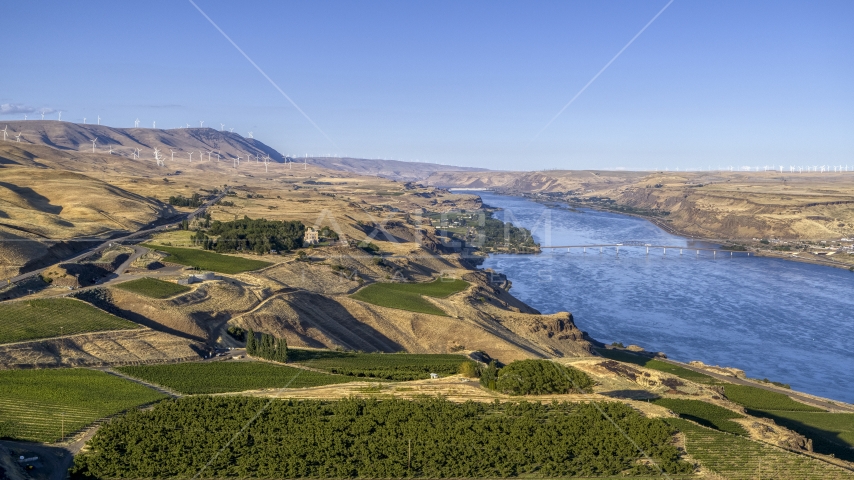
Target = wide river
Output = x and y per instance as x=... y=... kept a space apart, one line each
x=782 y=320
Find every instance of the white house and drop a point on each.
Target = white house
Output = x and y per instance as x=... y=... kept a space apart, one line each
x=311 y=236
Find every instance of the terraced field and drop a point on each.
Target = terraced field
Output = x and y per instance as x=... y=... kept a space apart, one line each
x=386 y=366
x=209 y=260
x=704 y=413
x=52 y=317
x=42 y=405
x=409 y=296
x=737 y=458
x=229 y=376
x=154 y=288
x=651 y=363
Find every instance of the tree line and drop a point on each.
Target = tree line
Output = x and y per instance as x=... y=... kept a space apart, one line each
x=258 y=235
x=267 y=347
x=193 y=201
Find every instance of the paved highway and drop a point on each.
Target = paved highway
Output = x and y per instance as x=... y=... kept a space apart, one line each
x=121 y=239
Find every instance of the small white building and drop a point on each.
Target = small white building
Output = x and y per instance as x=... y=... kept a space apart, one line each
x=311 y=236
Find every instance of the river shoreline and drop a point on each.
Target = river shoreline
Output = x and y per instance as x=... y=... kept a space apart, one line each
x=674 y=231
x=685 y=353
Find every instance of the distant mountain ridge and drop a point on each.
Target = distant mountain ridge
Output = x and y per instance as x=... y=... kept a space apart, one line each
x=124 y=141
x=184 y=141
x=391 y=169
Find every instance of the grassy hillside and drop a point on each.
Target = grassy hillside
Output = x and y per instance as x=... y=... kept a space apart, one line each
x=151 y=287
x=36 y=319
x=35 y=403
x=209 y=260
x=408 y=296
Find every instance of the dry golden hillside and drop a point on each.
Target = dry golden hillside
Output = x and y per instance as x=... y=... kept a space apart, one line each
x=736 y=206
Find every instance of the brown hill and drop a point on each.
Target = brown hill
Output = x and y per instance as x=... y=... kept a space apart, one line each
x=124 y=141
x=392 y=169
x=737 y=206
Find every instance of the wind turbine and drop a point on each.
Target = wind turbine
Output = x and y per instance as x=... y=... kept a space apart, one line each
x=250 y=135
x=157 y=156
x=42 y=114
x=154 y=124
x=111 y=149
x=18 y=138
x=93 y=144
x=209 y=155
x=173 y=154
x=137 y=154
x=217 y=156
x=231 y=130
x=84 y=120
x=99 y=119
x=187 y=125
x=201 y=123
x=25 y=116
x=221 y=127
x=4 y=132
x=136 y=123
x=60 y=115
x=191 y=156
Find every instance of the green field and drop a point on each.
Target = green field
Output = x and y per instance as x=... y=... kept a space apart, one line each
x=737 y=458
x=151 y=287
x=706 y=414
x=34 y=403
x=408 y=296
x=831 y=433
x=52 y=317
x=229 y=376
x=385 y=366
x=626 y=357
x=208 y=260
x=761 y=399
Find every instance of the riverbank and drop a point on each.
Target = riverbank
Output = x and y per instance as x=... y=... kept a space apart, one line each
x=691 y=308
x=751 y=246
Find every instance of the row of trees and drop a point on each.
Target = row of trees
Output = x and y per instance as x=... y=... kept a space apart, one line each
x=259 y=235
x=268 y=347
x=370 y=438
x=194 y=201
x=535 y=377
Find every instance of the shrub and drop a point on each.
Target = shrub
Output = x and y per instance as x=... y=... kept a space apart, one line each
x=237 y=332
x=470 y=369
x=540 y=377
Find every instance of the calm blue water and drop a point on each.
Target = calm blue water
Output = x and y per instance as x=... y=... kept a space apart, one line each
x=787 y=321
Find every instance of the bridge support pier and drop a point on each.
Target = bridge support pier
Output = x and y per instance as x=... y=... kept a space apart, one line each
x=665 y=250
x=647 y=250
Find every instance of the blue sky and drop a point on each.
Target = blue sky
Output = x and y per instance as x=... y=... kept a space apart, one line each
x=467 y=83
